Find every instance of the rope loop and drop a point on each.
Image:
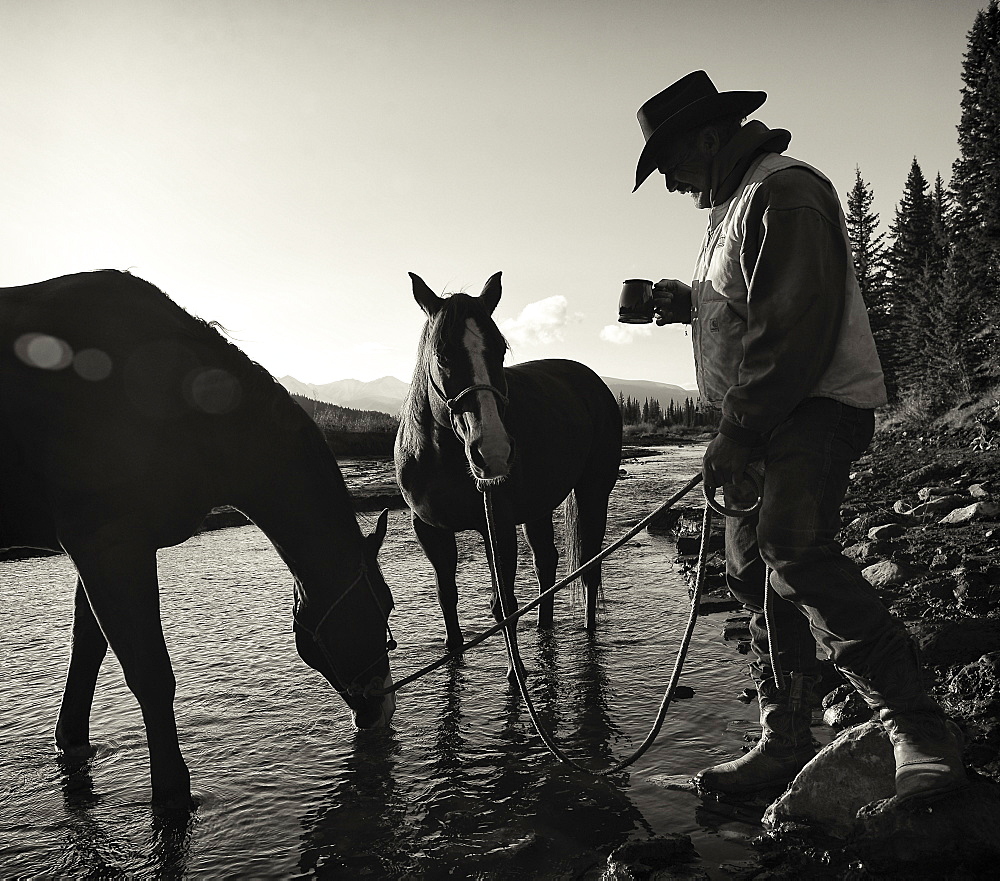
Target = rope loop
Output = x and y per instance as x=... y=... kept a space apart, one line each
x=723 y=511
x=515 y=658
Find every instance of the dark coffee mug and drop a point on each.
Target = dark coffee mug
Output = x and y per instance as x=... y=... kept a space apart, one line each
x=635 y=305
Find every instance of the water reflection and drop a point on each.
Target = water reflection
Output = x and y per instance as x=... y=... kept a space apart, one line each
x=359 y=821
x=101 y=848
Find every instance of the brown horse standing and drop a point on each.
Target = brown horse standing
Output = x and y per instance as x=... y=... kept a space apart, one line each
x=534 y=434
x=123 y=421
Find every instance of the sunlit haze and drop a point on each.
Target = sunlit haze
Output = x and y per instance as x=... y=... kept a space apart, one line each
x=279 y=166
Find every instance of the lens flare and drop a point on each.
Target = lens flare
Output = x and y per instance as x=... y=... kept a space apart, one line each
x=92 y=364
x=43 y=351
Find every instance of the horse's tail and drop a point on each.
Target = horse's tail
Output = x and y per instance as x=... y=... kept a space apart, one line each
x=582 y=541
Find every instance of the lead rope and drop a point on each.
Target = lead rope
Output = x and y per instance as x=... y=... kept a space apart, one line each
x=514 y=654
x=559 y=585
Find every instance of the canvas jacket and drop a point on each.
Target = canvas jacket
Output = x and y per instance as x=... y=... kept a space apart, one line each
x=776 y=312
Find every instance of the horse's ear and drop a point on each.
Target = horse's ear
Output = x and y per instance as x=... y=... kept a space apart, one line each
x=425 y=297
x=374 y=541
x=491 y=293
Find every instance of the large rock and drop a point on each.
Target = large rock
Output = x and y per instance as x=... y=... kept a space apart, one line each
x=885 y=574
x=942 y=505
x=963 y=828
x=944 y=642
x=977 y=511
x=886 y=531
x=851 y=771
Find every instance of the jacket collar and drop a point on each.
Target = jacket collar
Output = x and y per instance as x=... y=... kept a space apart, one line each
x=736 y=156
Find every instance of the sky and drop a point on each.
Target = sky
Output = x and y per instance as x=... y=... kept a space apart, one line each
x=279 y=166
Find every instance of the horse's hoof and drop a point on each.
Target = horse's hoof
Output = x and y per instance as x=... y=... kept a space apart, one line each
x=171 y=805
x=76 y=752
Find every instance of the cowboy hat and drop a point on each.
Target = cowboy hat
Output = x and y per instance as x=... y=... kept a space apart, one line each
x=688 y=103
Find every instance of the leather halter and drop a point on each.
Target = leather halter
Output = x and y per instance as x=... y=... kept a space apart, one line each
x=452 y=403
x=355 y=687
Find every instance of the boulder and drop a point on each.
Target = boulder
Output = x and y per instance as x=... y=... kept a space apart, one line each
x=846 y=710
x=885 y=574
x=851 y=771
x=963 y=828
x=886 y=531
x=945 y=642
x=979 y=681
x=642 y=858
x=864 y=552
x=942 y=505
x=976 y=511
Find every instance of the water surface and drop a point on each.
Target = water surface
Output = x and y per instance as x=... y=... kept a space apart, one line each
x=461 y=786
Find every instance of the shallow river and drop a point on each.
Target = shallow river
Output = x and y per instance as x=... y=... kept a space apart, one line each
x=461 y=785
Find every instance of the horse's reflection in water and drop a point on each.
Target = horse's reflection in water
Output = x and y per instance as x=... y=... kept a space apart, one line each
x=480 y=794
x=356 y=831
x=92 y=851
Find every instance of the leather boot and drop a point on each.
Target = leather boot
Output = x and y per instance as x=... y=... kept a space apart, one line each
x=784 y=748
x=926 y=745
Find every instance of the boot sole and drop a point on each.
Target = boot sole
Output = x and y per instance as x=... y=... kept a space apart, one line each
x=922 y=799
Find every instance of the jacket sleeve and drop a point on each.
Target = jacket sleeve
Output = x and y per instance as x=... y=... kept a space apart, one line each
x=795 y=262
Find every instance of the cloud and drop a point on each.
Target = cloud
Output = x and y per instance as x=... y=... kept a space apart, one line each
x=541 y=322
x=623 y=334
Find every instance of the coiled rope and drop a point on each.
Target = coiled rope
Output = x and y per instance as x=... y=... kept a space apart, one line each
x=510 y=619
x=513 y=653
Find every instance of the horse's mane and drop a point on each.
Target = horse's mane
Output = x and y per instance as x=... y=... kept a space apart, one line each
x=255 y=380
x=257 y=383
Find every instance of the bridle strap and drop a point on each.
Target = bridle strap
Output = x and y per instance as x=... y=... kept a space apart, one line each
x=314 y=633
x=452 y=403
x=482 y=387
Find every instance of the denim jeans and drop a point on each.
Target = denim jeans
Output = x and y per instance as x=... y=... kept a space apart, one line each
x=820 y=596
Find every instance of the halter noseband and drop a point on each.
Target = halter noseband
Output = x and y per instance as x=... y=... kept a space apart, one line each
x=452 y=403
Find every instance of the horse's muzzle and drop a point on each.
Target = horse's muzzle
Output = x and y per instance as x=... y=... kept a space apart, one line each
x=376 y=710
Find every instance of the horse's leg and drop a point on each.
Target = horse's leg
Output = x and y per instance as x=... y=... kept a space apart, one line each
x=442 y=551
x=541 y=539
x=592 y=522
x=121 y=585
x=505 y=558
x=88 y=651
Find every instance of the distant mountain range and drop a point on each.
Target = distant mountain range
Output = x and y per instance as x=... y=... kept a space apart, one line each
x=387 y=394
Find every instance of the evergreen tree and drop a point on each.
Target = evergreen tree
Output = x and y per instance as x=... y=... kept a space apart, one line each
x=867 y=243
x=868 y=248
x=975 y=221
x=907 y=293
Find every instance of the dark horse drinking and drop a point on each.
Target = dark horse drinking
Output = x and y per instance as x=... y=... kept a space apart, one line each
x=123 y=421
x=533 y=435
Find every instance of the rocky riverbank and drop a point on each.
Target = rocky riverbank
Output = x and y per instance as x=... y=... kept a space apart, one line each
x=922 y=519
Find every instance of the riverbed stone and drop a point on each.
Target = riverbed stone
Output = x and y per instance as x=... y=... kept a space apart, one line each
x=885 y=574
x=736 y=627
x=976 y=511
x=845 y=708
x=851 y=771
x=886 y=531
x=648 y=858
x=942 y=505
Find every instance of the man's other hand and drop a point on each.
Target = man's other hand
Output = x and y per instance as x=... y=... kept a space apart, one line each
x=725 y=461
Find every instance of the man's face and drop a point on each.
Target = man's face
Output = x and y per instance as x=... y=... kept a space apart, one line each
x=686 y=166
